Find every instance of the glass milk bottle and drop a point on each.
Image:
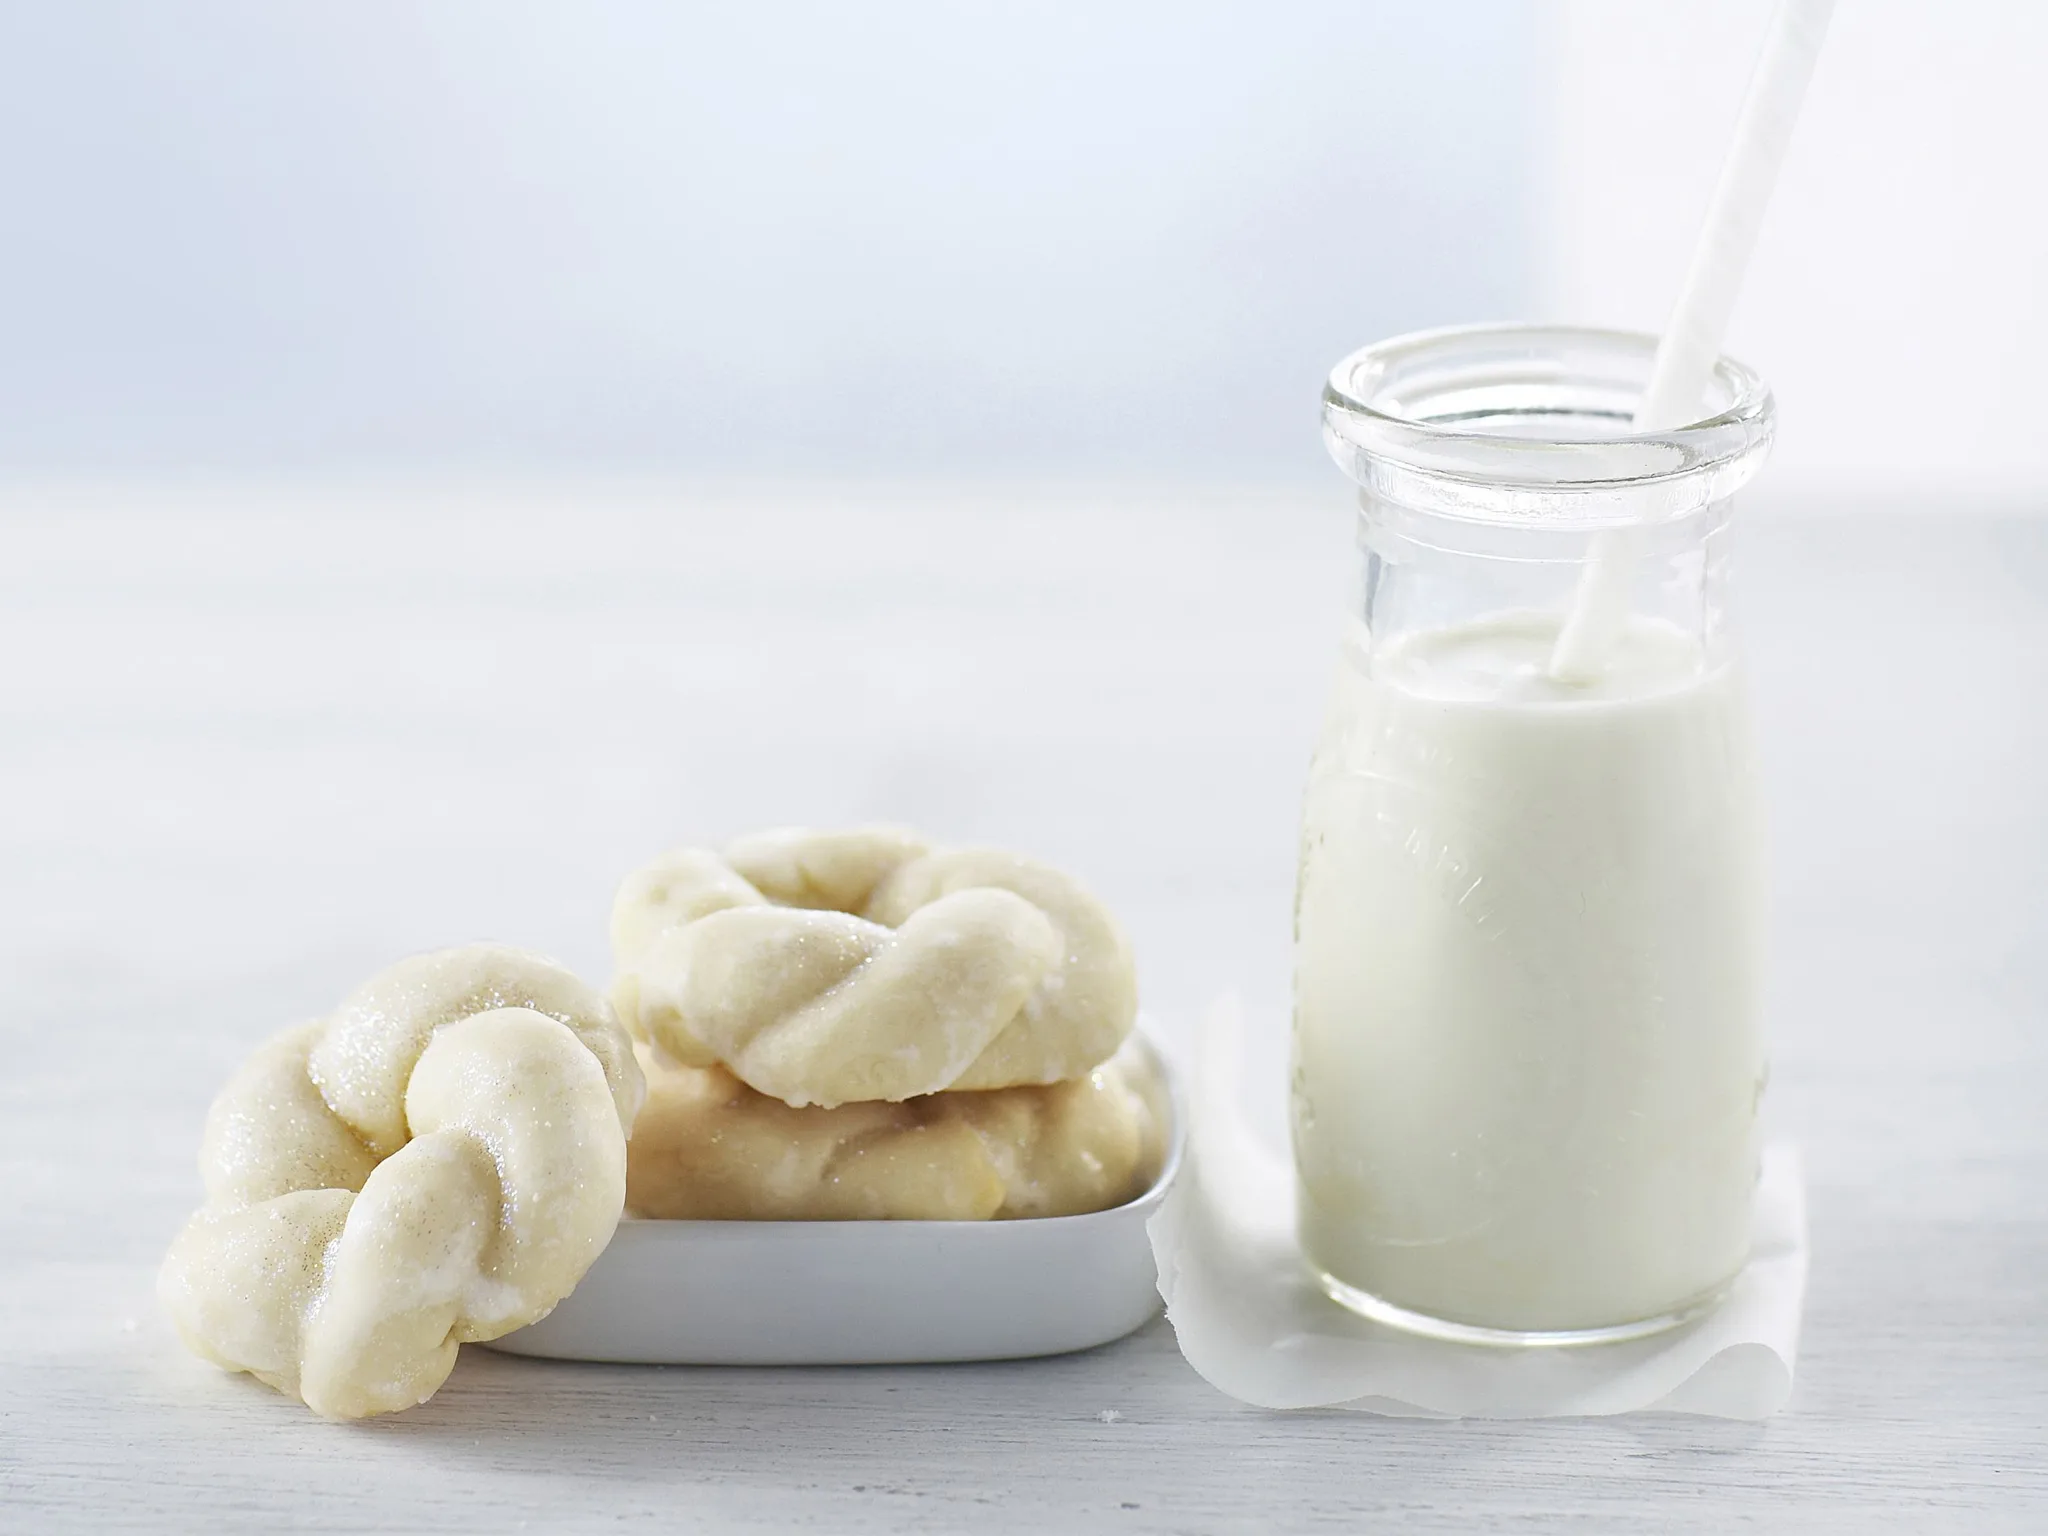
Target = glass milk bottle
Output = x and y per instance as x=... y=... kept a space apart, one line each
x=1527 y=1052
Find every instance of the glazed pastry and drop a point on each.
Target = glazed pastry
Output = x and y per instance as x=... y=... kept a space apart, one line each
x=707 y=1147
x=827 y=968
x=437 y=1162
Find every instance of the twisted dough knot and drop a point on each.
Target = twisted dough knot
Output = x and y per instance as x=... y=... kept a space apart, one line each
x=437 y=1162
x=834 y=967
x=708 y=1148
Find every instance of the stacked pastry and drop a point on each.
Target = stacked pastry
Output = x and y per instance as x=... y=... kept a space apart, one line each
x=831 y=1025
x=858 y=1025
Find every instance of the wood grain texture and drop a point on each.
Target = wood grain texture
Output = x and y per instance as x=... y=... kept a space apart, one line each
x=255 y=744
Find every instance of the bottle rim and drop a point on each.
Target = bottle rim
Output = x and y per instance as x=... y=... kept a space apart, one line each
x=1520 y=422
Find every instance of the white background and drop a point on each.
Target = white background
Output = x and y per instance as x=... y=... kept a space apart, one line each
x=920 y=238
x=909 y=237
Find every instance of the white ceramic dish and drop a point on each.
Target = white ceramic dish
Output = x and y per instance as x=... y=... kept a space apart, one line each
x=865 y=1292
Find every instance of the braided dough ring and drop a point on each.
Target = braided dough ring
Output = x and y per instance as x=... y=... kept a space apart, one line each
x=709 y=1148
x=838 y=967
x=437 y=1162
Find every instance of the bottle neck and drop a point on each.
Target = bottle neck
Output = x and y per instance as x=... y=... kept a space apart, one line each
x=1422 y=571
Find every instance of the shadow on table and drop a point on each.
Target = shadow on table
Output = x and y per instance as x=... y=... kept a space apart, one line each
x=1124 y=1423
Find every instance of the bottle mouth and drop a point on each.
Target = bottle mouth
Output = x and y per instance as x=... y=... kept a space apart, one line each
x=1521 y=423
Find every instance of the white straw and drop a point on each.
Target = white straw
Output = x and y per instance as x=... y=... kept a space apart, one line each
x=1692 y=339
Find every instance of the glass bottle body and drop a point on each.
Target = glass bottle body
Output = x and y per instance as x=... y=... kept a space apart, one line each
x=1528 y=1054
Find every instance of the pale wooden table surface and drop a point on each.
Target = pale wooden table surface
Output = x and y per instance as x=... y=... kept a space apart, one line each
x=254 y=746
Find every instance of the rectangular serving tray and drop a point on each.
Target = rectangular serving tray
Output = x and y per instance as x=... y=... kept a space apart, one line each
x=867 y=1292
